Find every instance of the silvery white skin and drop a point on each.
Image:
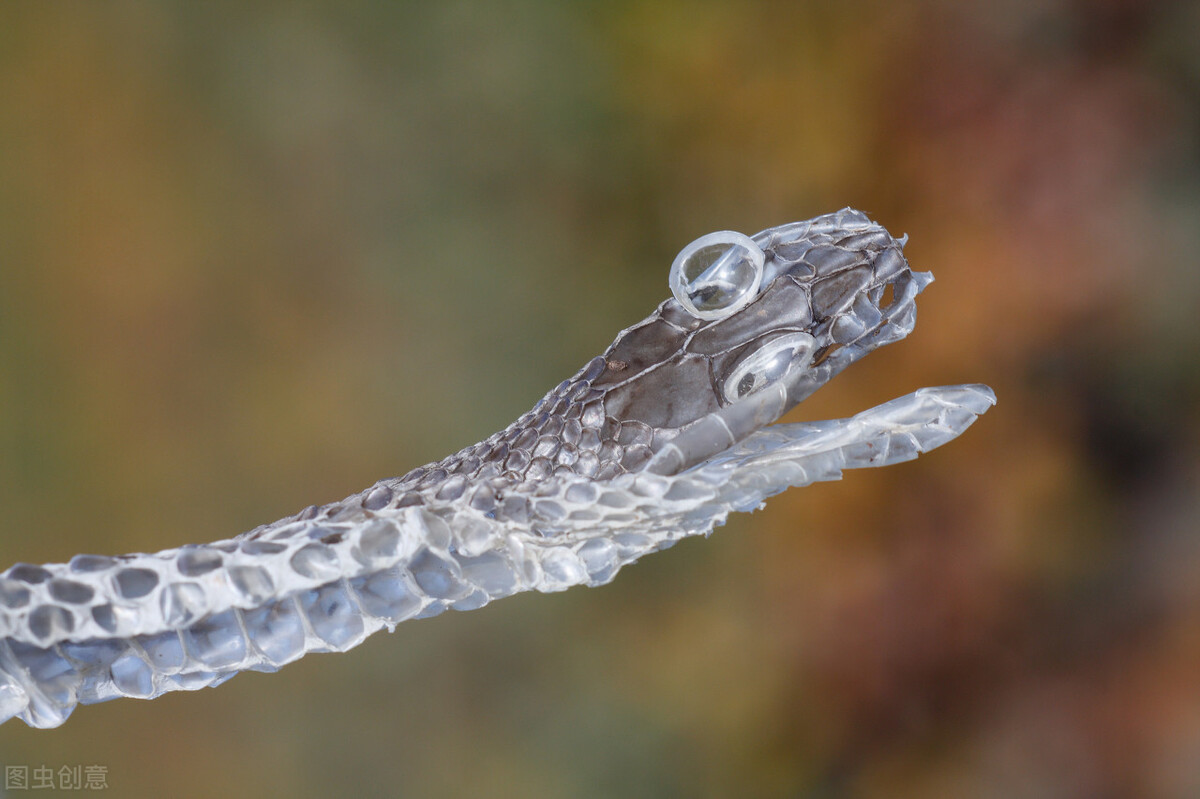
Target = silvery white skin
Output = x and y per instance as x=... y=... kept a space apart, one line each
x=659 y=438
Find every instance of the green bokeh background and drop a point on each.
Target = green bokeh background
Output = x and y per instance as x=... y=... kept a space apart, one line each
x=257 y=256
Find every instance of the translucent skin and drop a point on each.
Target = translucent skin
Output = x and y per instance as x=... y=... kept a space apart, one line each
x=660 y=437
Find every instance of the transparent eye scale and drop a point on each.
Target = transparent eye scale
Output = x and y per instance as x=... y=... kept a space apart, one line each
x=717 y=275
x=767 y=364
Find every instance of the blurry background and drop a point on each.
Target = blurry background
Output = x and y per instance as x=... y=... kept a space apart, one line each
x=256 y=256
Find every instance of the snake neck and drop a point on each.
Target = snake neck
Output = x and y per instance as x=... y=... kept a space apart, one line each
x=567 y=434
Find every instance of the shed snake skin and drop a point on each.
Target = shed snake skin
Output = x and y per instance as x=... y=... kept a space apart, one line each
x=660 y=437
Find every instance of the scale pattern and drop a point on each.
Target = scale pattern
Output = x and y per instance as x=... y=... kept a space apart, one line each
x=603 y=470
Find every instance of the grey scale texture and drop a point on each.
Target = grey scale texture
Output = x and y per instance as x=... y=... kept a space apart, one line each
x=638 y=449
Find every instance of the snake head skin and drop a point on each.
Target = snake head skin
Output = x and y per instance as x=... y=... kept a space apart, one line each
x=832 y=289
x=756 y=326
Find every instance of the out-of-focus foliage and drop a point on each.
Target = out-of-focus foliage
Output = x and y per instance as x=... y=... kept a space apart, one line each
x=258 y=255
